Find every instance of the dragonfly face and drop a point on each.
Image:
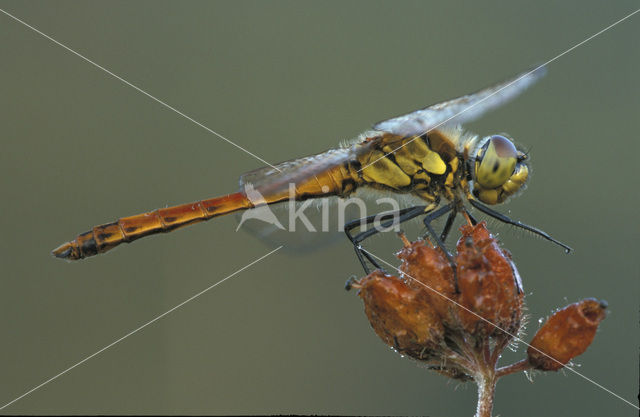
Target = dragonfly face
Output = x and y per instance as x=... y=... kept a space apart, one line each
x=425 y=153
x=500 y=170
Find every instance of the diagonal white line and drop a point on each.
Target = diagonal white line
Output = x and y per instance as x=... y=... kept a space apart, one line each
x=501 y=329
x=137 y=88
x=500 y=89
x=138 y=329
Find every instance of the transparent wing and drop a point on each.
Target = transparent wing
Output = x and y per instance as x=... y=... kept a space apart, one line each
x=320 y=228
x=462 y=109
x=269 y=181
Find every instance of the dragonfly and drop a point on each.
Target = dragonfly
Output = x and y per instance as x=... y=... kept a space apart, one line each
x=425 y=153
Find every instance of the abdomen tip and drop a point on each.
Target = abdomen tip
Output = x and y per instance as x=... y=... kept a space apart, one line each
x=64 y=251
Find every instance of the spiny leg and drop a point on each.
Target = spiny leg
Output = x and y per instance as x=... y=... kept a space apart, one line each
x=401 y=215
x=356 y=240
x=505 y=219
x=452 y=216
x=389 y=219
x=447 y=226
x=427 y=222
x=359 y=223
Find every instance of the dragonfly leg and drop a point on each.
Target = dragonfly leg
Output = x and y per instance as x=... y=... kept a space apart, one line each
x=356 y=245
x=447 y=226
x=451 y=219
x=427 y=223
x=505 y=219
x=386 y=220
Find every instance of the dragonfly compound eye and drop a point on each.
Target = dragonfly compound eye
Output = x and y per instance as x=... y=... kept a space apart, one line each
x=500 y=170
x=495 y=162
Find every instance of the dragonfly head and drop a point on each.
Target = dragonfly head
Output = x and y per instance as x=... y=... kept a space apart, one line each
x=500 y=170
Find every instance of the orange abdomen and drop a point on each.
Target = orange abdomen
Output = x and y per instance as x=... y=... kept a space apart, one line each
x=127 y=229
x=102 y=238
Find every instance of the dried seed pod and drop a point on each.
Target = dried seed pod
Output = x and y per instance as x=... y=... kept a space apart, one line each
x=401 y=315
x=567 y=334
x=431 y=269
x=461 y=334
x=488 y=287
x=414 y=314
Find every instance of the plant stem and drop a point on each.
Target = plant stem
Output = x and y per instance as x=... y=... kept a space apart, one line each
x=522 y=365
x=486 y=389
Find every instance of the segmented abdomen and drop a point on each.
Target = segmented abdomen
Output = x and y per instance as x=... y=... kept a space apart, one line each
x=127 y=229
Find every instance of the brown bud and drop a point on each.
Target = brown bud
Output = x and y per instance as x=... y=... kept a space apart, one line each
x=400 y=315
x=566 y=334
x=488 y=287
x=432 y=271
x=422 y=315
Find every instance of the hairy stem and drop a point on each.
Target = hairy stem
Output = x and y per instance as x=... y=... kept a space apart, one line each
x=486 y=390
x=522 y=365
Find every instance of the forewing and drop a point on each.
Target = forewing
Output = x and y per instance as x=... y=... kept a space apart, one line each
x=462 y=109
x=269 y=181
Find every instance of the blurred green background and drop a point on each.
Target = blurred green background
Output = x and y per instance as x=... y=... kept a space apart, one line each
x=287 y=79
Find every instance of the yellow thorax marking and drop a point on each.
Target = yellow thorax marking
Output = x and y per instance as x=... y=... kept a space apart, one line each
x=412 y=158
x=434 y=164
x=383 y=171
